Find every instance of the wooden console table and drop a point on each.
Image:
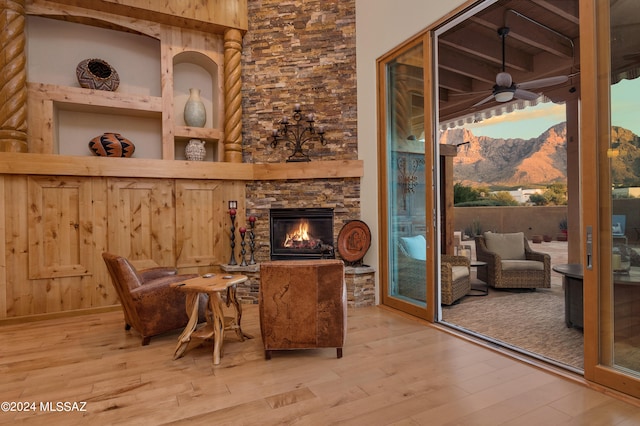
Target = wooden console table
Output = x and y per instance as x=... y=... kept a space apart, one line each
x=212 y=285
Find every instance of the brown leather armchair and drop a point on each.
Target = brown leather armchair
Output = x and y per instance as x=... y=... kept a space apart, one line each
x=303 y=305
x=150 y=306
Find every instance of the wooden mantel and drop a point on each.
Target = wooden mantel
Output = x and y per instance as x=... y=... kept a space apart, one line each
x=59 y=165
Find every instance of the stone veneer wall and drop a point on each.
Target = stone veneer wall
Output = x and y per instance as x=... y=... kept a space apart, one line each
x=300 y=52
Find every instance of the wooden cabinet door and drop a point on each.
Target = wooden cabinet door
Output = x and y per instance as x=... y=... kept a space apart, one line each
x=141 y=221
x=60 y=226
x=200 y=221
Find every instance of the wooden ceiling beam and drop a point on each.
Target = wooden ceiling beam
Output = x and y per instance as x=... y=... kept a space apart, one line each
x=528 y=33
x=488 y=48
x=454 y=81
x=453 y=60
x=566 y=9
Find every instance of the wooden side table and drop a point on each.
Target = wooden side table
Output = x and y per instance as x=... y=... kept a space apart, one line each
x=482 y=292
x=211 y=285
x=572 y=277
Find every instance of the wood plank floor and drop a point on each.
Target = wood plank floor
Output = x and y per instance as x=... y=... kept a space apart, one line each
x=395 y=370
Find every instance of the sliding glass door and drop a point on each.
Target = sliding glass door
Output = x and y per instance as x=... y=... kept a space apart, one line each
x=406 y=178
x=612 y=248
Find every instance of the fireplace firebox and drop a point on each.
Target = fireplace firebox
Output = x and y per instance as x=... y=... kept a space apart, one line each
x=305 y=233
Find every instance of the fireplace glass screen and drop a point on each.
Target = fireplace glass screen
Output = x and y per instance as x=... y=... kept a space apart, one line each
x=301 y=234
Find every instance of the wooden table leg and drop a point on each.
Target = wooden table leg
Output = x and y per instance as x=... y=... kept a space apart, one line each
x=231 y=299
x=191 y=305
x=215 y=304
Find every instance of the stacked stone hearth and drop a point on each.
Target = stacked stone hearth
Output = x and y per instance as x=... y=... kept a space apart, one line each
x=300 y=52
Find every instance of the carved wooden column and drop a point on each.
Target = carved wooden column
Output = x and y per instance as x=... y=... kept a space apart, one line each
x=13 y=77
x=232 y=96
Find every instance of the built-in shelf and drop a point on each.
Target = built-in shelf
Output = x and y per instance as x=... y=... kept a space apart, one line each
x=87 y=100
x=198 y=133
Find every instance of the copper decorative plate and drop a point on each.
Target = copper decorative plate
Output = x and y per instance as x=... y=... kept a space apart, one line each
x=354 y=240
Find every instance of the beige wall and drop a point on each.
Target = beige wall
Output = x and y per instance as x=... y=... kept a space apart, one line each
x=381 y=26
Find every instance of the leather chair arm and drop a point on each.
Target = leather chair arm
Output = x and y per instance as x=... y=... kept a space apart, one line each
x=155 y=273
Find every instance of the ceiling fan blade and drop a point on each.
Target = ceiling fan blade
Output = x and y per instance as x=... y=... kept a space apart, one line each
x=525 y=94
x=542 y=82
x=484 y=101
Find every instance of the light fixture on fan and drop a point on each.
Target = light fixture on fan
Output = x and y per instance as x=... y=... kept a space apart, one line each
x=506 y=90
x=504 y=95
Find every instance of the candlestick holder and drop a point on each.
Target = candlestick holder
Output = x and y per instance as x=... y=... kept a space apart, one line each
x=297 y=134
x=232 y=260
x=242 y=250
x=252 y=242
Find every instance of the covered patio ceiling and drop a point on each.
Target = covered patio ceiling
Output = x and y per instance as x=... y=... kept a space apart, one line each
x=542 y=41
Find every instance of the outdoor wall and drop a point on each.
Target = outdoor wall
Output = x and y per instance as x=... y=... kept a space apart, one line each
x=535 y=220
x=630 y=207
x=539 y=220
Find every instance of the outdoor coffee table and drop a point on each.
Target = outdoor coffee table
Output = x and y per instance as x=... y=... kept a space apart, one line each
x=212 y=285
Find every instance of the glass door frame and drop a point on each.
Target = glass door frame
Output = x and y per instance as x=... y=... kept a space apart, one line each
x=428 y=311
x=596 y=206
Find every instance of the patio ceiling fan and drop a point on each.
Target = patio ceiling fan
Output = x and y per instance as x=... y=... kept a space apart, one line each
x=505 y=89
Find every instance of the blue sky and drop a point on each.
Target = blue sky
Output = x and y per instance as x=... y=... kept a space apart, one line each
x=531 y=122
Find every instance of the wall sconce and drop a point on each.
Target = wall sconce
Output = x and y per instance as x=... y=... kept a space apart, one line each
x=407 y=175
x=233 y=205
x=297 y=134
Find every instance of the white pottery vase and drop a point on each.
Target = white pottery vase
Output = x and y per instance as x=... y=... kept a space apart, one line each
x=195 y=150
x=194 y=113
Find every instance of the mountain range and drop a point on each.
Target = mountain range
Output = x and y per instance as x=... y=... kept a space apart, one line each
x=483 y=160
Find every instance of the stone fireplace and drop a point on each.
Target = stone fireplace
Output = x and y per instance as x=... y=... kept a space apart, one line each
x=301 y=233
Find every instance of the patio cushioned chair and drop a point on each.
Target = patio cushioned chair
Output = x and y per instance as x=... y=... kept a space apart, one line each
x=150 y=306
x=454 y=272
x=511 y=263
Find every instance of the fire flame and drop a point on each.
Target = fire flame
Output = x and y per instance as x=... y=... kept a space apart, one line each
x=298 y=235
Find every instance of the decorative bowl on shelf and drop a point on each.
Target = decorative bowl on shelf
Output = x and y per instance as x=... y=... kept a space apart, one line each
x=97 y=74
x=112 y=145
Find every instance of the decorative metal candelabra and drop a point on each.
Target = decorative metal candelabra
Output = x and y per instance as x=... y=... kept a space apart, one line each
x=297 y=134
x=243 y=230
x=252 y=242
x=232 y=260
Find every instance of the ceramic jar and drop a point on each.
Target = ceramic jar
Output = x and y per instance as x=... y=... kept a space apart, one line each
x=195 y=150
x=195 y=114
x=111 y=145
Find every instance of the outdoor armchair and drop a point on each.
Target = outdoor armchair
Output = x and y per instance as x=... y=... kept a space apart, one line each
x=511 y=263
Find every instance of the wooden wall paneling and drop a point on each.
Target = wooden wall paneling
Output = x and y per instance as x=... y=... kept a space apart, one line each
x=168 y=118
x=141 y=221
x=60 y=226
x=100 y=291
x=3 y=257
x=203 y=223
x=196 y=215
x=207 y=15
x=40 y=125
x=19 y=290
